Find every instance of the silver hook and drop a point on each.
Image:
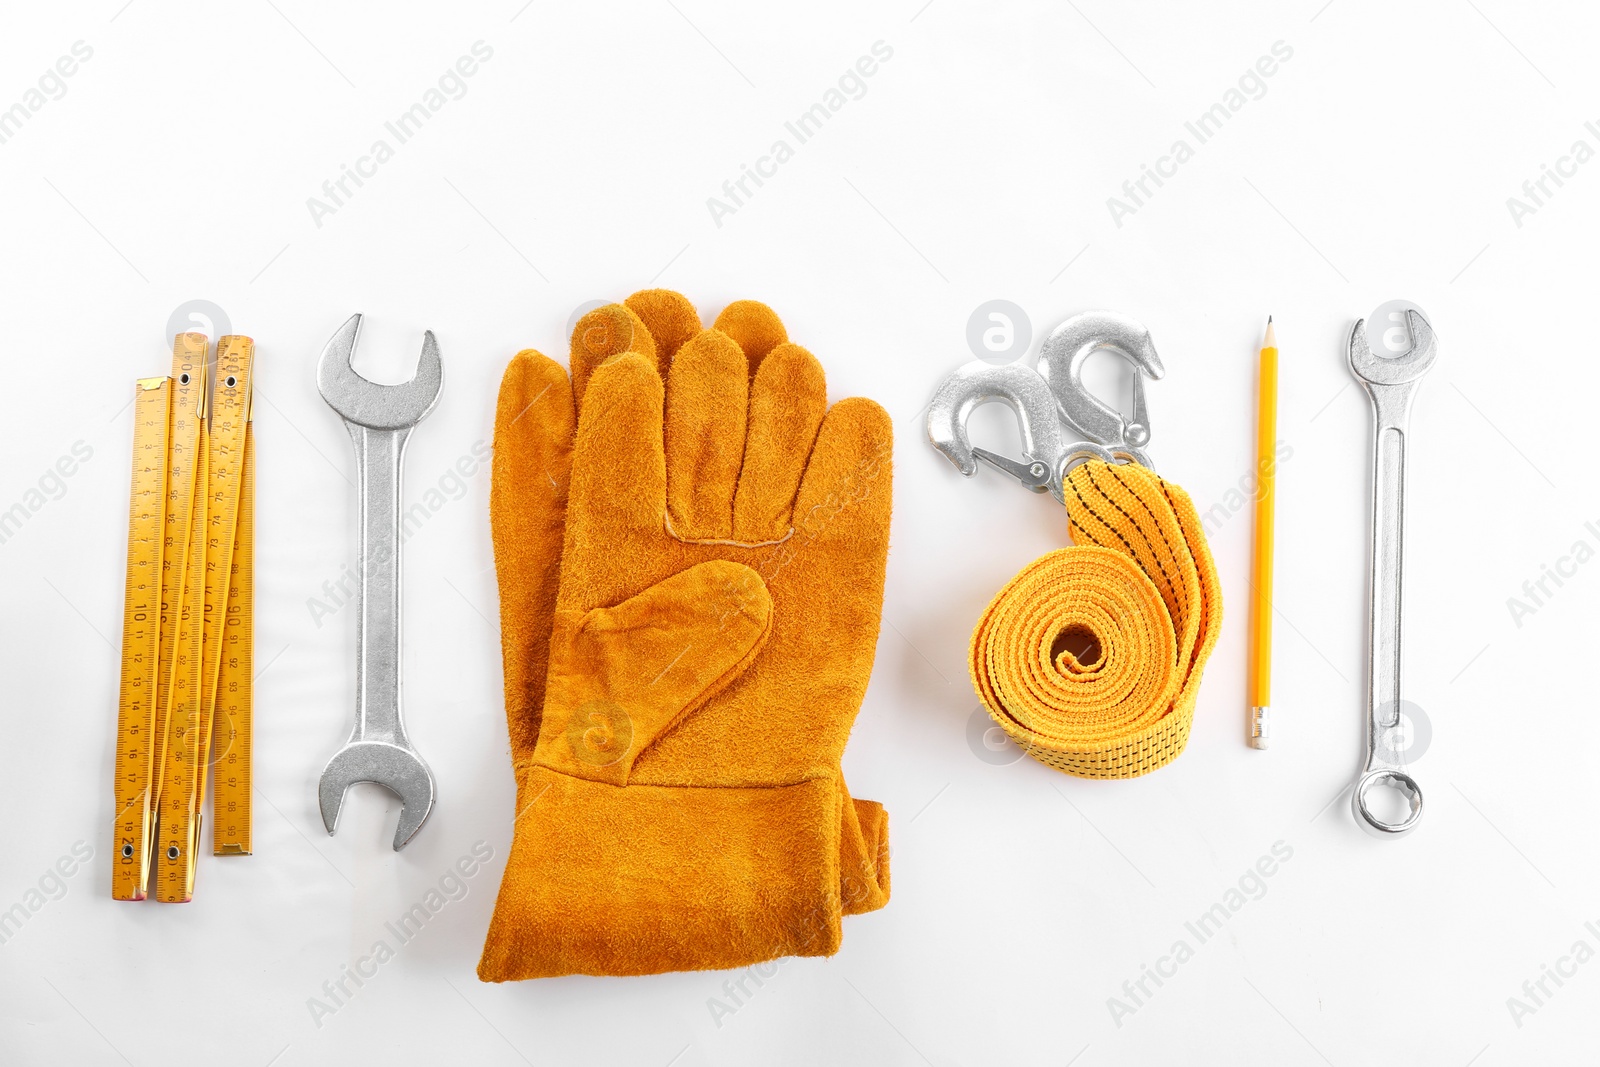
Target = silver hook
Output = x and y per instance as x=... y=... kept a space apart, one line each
x=1061 y=361
x=1046 y=455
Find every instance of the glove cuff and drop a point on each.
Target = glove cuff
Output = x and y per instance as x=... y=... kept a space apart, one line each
x=863 y=855
x=638 y=879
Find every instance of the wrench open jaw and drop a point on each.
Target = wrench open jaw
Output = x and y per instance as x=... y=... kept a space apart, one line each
x=380 y=419
x=396 y=767
x=1373 y=369
x=365 y=403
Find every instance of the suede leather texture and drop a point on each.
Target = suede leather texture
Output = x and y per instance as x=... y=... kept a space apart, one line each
x=690 y=545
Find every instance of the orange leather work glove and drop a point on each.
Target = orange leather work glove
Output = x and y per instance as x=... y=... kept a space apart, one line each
x=535 y=421
x=680 y=803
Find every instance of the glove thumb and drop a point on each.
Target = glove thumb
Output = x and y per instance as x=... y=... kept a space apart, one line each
x=620 y=677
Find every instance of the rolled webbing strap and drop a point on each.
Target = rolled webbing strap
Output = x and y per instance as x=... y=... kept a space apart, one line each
x=1090 y=658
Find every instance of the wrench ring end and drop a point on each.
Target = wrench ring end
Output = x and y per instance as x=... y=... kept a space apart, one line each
x=1400 y=781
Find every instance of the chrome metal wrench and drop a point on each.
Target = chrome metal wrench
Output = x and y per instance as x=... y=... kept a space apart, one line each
x=380 y=419
x=1392 y=385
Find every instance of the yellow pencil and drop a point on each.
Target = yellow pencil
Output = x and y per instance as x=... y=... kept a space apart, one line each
x=1261 y=602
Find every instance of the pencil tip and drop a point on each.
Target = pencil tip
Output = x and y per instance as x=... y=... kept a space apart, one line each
x=1269 y=320
x=1269 y=339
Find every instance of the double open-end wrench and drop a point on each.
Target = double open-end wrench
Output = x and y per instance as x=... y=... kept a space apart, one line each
x=1392 y=385
x=380 y=419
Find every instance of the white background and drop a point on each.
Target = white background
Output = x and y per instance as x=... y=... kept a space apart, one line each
x=977 y=165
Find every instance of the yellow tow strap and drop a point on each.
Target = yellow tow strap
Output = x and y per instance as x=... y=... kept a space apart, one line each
x=1090 y=658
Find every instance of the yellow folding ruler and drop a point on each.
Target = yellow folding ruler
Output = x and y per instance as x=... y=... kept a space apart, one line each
x=137 y=734
x=189 y=535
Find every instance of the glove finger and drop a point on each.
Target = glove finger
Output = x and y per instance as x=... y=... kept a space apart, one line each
x=846 y=489
x=670 y=318
x=603 y=333
x=619 y=476
x=707 y=394
x=787 y=400
x=533 y=429
x=755 y=327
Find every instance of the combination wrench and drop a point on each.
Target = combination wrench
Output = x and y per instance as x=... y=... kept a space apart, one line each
x=1392 y=385
x=380 y=419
